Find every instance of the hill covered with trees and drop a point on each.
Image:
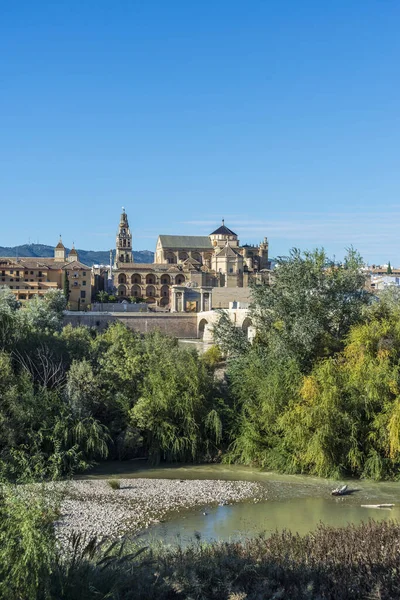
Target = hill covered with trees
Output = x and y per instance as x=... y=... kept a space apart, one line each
x=88 y=257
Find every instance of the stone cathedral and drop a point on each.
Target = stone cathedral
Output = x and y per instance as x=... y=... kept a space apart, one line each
x=187 y=263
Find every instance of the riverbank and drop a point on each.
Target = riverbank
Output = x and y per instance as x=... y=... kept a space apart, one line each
x=94 y=508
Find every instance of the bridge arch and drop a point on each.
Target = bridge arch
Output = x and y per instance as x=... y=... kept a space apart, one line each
x=202 y=326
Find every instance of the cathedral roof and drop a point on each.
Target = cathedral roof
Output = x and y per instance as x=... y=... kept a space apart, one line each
x=177 y=242
x=60 y=245
x=228 y=251
x=223 y=230
x=73 y=252
x=191 y=263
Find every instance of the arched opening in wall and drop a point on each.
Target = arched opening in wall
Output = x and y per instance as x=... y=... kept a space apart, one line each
x=164 y=301
x=136 y=278
x=246 y=324
x=171 y=258
x=202 y=326
x=164 y=291
x=121 y=258
x=124 y=242
x=179 y=279
x=183 y=256
x=165 y=280
x=136 y=291
x=122 y=278
x=122 y=291
x=150 y=291
x=150 y=278
x=150 y=300
x=197 y=256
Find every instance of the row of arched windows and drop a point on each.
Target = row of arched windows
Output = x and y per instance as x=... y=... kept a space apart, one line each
x=137 y=292
x=174 y=257
x=151 y=279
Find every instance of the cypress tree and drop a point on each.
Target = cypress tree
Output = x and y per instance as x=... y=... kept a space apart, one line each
x=66 y=289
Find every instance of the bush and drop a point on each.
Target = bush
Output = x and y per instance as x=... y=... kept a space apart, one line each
x=114 y=484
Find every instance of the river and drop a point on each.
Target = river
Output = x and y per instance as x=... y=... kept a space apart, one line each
x=295 y=502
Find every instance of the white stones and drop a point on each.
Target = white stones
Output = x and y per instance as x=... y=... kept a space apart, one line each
x=92 y=507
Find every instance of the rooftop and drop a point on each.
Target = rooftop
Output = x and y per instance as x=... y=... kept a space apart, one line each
x=223 y=230
x=176 y=242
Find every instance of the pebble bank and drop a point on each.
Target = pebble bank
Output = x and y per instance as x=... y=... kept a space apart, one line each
x=94 y=508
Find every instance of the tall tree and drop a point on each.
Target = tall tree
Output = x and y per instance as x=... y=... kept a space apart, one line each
x=311 y=304
x=66 y=288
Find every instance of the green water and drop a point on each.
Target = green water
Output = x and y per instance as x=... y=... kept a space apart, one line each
x=298 y=503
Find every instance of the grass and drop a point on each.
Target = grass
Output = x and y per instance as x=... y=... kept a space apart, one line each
x=114 y=484
x=360 y=562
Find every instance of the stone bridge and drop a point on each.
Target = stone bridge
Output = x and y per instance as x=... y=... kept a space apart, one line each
x=240 y=317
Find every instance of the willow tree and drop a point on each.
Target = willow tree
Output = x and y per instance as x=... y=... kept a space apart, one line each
x=177 y=412
x=346 y=419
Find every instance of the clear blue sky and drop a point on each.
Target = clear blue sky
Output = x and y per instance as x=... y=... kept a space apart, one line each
x=282 y=116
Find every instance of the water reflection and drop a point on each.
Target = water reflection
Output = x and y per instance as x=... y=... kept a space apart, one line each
x=295 y=502
x=247 y=520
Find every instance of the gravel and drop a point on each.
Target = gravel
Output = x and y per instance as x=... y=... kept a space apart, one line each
x=93 y=508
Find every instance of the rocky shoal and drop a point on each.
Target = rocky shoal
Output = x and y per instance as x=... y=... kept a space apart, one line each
x=94 y=508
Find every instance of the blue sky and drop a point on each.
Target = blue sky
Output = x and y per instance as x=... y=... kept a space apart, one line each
x=282 y=116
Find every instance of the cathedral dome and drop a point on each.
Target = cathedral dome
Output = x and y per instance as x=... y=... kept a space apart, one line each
x=223 y=230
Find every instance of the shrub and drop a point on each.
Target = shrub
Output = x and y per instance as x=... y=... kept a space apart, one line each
x=114 y=484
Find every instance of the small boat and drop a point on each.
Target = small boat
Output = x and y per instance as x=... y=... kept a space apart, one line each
x=377 y=505
x=339 y=491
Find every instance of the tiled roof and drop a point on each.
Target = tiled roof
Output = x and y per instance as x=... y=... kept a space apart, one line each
x=223 y=230
x=227 y=251
x=75 y=264
x=177 y=242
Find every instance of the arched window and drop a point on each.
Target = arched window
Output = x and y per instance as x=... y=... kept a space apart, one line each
x=136 y=291
x=165 y=280
x=165 y=291
x=197 y=256
x=136 y=278
x=150 y=291
x=122 y=278
x=171 y=258
x=179 y=279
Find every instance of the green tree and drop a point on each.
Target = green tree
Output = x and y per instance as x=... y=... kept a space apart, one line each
x=102 y=297
x=311 y=304
x=66 y=287
x=10 y=322
x=177 y=413
x=389 y=269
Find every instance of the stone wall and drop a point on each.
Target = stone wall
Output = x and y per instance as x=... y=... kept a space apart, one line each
x=120 y=307
x=223 y=295
x=180 y=325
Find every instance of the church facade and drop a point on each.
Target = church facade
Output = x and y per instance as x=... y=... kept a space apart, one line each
x=195 y=262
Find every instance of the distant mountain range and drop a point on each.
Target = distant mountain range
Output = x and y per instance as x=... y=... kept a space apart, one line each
x=88 y=257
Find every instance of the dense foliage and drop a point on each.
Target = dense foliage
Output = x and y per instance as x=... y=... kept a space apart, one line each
x=318 y=391
x=69 y=396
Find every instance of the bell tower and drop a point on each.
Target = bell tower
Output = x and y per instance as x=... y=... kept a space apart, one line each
x=124 y=240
